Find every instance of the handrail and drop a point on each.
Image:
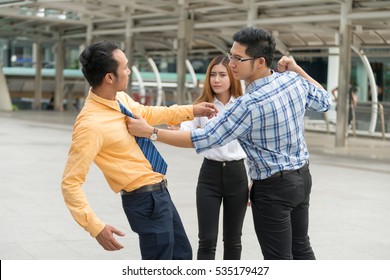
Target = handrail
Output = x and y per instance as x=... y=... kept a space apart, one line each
x=353 y=122
x=382 y=114
x=360 y=120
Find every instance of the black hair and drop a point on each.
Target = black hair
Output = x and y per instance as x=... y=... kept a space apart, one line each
x=259 y=43
x=97 y=60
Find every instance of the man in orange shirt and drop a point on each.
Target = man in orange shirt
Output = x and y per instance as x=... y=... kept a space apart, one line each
x=100 y=136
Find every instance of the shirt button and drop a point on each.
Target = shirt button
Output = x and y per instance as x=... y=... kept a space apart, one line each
x=224 y=164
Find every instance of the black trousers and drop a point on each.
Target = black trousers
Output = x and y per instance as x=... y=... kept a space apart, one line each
x=280 y=207
x=226 y=183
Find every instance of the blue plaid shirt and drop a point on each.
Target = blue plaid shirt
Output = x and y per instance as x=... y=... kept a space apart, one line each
x=268 y=122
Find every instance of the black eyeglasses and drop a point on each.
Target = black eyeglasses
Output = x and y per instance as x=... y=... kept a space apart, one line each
x=239 y=59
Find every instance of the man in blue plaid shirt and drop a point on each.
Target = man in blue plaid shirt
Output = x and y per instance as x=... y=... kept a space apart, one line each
x=268 y=121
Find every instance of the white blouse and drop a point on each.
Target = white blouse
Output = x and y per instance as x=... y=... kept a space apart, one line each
x=230 y=151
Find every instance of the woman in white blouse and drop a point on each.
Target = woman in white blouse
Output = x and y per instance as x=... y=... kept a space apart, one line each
x=222 y=178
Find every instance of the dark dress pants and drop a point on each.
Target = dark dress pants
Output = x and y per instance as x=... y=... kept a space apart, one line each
x=226 y=183
x=280 y=207
x=161 y=233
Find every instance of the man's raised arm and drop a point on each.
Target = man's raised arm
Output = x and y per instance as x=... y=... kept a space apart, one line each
x=139 y=127
x=289 y=64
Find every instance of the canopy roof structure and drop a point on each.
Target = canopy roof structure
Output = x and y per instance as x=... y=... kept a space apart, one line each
x=301 y=27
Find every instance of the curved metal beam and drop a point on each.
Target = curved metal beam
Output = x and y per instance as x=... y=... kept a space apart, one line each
x=140 y=83
x=218 y=44
x=192 y=73
x=374 y=91
x=158 y=80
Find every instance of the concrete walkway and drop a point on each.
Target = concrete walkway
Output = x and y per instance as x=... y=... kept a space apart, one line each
x=350 y=202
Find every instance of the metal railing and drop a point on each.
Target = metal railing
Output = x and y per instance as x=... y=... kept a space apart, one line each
x=361 y=120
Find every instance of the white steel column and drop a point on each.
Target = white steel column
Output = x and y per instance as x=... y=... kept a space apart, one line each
x=183 y=38
x=88 y=41
x=344 y=74
x=5 y=98
x=251 y=12
x=59 y=78
x=37 y=53
x=333 y=78
x=129 y=47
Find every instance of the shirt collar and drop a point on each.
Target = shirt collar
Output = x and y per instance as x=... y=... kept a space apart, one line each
x=110 y=103
x=260 y=82
x=231 y=100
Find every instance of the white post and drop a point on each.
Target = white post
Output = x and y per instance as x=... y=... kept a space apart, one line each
x=333 y=78
x=5 y=99
x=37 y=53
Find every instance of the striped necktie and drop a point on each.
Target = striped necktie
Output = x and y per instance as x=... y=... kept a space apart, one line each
x=156 y=160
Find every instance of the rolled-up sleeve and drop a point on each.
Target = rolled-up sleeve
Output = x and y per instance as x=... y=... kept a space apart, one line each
x=231 y=125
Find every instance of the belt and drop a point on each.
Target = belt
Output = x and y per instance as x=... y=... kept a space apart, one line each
x=284 y=173
x=149 y=188
x=223 y=163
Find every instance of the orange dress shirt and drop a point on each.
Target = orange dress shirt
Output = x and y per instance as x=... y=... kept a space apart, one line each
x=100 y=135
